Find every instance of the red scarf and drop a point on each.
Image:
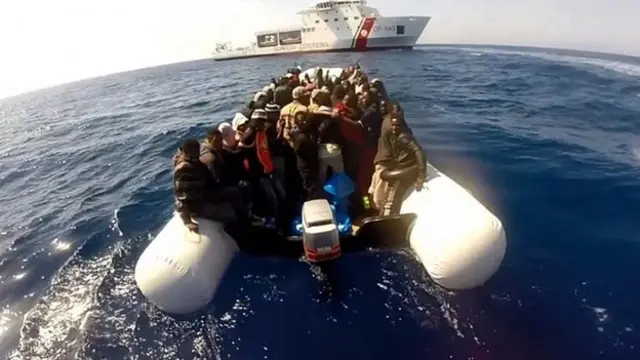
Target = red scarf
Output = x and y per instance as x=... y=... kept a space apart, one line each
x=262 y=149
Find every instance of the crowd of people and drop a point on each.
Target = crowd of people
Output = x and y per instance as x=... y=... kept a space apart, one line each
x=290 y=138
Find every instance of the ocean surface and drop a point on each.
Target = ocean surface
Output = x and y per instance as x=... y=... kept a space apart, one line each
x=548 y=140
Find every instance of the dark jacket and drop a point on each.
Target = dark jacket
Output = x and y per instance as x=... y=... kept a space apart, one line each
x=408 y=152
x=233 y=169
x=213 y=160
x=193 y=186
x=328 y=129
x=282 y=95
x=372 y=124
x=400 y=151
x=307 y=160
x=276 y=146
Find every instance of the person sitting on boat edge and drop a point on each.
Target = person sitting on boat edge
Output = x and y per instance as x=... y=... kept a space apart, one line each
x=212 y=154
x=195 y=189
x=397 y=150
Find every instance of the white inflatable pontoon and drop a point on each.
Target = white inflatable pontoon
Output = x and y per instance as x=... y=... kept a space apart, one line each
x=460 y=243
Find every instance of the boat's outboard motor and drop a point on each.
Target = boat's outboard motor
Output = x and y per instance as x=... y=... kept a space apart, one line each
x=320 y=233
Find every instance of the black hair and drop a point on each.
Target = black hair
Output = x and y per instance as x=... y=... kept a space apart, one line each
x=339 y=92
x=191 y=147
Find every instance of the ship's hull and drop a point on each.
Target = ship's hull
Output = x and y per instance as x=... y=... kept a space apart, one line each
x=371 y=34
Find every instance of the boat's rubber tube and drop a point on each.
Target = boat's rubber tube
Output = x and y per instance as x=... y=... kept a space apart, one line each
x=333 y=73
x=460 y=243
x=179 y=271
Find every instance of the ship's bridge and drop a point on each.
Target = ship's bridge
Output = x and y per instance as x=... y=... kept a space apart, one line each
x=340 y=6
x=337 y=13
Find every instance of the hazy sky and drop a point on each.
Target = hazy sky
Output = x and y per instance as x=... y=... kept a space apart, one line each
x=46 y=42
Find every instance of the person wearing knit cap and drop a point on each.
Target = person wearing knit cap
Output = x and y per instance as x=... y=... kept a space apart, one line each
x=273 y=114
x=261 y=167
x=280 y=151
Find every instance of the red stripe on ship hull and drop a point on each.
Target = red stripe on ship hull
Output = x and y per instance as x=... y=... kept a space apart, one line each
x=355 y=36
x=363 y=34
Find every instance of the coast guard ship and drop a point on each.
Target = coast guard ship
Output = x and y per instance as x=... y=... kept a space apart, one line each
x=328 y=26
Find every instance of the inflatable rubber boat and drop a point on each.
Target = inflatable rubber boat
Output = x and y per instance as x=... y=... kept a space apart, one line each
x=459 y=242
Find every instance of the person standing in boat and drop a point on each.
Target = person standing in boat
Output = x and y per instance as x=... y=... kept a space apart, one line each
x=400 y=152
x=196 y=188
x=351 y=132
x=260 y=165
x=371 y=122
x=276 y=146
x=306 y=150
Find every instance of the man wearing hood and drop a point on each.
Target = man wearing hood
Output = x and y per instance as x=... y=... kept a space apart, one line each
x=399 y=150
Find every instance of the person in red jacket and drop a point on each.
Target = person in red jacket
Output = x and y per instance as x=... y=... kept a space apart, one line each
x=260 y=165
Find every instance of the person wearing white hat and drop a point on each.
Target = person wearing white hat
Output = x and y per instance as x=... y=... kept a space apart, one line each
x=260 y=165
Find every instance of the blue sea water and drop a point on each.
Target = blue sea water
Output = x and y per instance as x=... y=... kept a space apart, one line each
x=548 y=140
